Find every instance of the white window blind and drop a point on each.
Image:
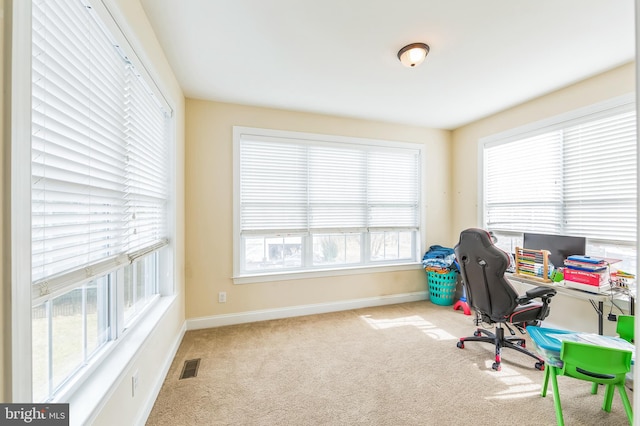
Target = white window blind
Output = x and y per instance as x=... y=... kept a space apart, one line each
x=523 y=184
x=576 y=178
x=273 y=188
x=99 y=150
x=600 y=180
x=300 y=187
x=146 y=190
x=393 y=189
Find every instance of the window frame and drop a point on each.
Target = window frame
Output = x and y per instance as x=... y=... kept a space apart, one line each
x=108 y=361
x=323 y=271
x=613 y=106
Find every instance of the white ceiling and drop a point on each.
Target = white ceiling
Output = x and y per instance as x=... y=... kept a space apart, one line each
x=338 y=57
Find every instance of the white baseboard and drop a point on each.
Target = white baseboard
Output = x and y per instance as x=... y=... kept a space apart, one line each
x=294 y=311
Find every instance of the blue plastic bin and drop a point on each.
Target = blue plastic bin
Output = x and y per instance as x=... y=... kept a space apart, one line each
x=442 y=287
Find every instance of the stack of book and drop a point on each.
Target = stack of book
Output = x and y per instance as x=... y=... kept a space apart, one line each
x=586 y=273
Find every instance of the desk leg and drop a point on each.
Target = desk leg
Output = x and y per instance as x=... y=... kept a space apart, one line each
x=598 y=310
x=600 y=315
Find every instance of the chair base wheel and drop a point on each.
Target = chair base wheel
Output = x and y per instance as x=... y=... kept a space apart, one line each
x=496 y=366
x=460 y=345
x=540 y=365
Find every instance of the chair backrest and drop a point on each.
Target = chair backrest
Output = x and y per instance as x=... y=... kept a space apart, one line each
x=594 y=363
x=626 y=327
x=482 y=267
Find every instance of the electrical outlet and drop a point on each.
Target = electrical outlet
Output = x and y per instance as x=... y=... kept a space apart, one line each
x=134 y=383
x=222 y=297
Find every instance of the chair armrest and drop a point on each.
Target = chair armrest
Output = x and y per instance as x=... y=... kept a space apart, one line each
x=537 y=292
x=541 y=291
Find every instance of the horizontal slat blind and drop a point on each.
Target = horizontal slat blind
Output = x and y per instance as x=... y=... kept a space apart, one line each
x=600 y=178
x=77 y=146
x=393 y=189
x=313 y=187
x=146 y=190
x=273 y=187
x=579 y=178
x=337 y=188
x=523 y=184
x=99 y=149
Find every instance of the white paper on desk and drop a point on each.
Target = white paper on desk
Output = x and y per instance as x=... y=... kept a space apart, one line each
x=606 y=341
x=596 y=339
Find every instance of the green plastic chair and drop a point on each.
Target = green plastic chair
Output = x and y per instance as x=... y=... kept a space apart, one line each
x=626 y=330
x=626 y=327
x=597 y=364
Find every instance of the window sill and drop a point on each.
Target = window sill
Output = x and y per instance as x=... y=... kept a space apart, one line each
x=284 y=276
x=87 y=399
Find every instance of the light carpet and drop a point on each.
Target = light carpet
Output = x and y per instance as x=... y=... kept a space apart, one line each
x=389 y=365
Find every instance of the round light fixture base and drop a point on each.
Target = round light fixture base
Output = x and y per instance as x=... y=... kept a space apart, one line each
x=413 y=54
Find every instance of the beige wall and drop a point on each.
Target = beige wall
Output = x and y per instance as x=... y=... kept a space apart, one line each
x=616 y=82
x=209 y=220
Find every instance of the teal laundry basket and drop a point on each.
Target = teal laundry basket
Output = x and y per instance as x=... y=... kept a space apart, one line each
x=442 y=287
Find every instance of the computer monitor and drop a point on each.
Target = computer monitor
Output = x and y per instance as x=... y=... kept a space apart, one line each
x=559 y=246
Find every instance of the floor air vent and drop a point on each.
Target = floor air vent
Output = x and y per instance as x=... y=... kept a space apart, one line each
x=190 y=368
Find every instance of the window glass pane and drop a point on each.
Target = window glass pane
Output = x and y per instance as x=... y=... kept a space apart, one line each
x=336 y=249
x=140 y=282
x=140 y=285
x=269 y=253
x=392 y=245
x=354 y=248
x=255 y=253
x=67 y=325
x=405 y=245
x=40 y=351
x=96 y=313
x=66 y=331
x=626 y=253
x=376 y=245
x=508 y=241
x=152 y=275
x=284 y=252
x=129 y=289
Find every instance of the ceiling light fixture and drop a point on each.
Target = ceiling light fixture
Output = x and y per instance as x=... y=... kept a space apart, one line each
x=413 y=54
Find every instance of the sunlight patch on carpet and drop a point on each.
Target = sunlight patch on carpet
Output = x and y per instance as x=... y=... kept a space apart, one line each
x=417 y=321
x=519 y=386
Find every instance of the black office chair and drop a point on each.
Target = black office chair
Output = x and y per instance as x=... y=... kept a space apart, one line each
x=482 y=267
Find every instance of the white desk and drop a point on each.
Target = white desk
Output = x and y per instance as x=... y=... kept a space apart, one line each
x=596 y=299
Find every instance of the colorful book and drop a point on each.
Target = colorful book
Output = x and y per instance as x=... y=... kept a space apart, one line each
x=587 y=259
x=584 y=266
